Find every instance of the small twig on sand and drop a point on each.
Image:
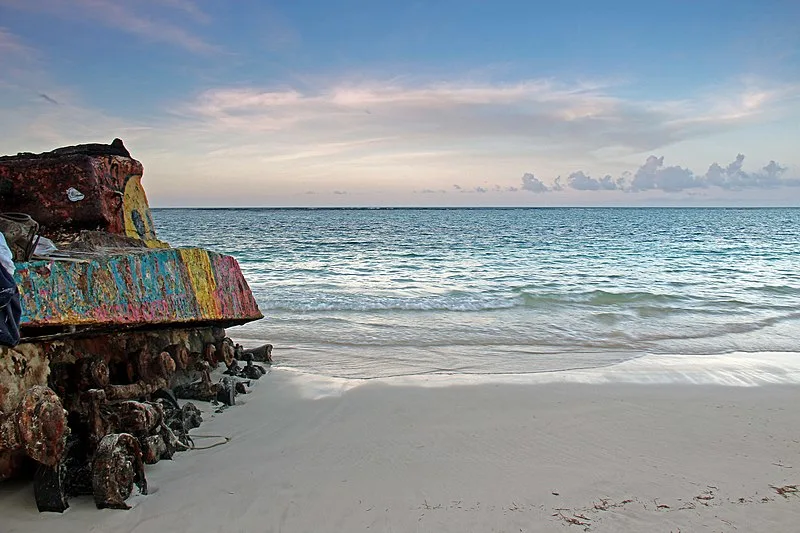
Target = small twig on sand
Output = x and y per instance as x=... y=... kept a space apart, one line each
x=574 y=520
x=786 y=490
x=514 y=507
x=705 y=497
x=602 y=505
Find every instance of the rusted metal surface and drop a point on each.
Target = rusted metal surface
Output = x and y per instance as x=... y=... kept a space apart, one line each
x=106 y=181
x=92 y=373
x=179 y=354
x=89 y=372
x=135 y=390
x=202 y=389
x=116 y=468
x=225 y=352
x=138 y=418
x=152 y=366
x=262 y=353
x=21 y=368
x=140 y=287
x=123 y=414
x=153 y=449
x=123 y=393
x=37 y=427
x=30 y=363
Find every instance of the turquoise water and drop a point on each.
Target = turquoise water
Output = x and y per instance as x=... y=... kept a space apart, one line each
x=382 y=292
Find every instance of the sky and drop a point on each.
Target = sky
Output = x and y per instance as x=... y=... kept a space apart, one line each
x=417 y=103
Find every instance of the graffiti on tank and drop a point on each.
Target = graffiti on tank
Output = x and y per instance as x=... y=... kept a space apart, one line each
x=138 y=220
x=232 y=302
x=158 y=286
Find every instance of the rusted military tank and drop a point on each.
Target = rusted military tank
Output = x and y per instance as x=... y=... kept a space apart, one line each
x=116 y=325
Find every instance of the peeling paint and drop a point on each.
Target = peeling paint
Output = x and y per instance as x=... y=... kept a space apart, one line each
x=155 y=286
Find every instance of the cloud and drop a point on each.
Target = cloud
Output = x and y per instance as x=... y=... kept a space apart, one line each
x=479 y=189
x=653 y=175
x=419 y=136
x=339 y=192
x=11 y=45
x=732 y=177
x=581 y=182
x=588 y=117
x=430 y=128
x=126 y=16
x=431 y=191
x=533 y=184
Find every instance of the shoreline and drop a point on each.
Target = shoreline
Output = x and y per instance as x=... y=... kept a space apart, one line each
x=735 y=369
x=306 y=456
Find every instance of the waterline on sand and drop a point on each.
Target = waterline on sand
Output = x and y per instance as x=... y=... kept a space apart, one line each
x=732 y=370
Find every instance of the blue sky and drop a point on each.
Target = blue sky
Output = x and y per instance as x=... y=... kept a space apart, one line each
x=417 y=103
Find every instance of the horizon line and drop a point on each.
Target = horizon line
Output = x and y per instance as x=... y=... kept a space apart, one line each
x=367 y=208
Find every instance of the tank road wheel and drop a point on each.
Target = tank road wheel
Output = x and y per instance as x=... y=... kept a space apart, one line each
x=42 y=425
x=39 y=427
x=116 y=467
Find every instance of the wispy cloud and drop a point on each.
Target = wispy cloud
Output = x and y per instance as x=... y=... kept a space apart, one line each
x=11 y=45
x=127 y=16
x=539 y=112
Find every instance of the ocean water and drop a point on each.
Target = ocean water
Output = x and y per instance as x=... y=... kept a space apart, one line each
x=364 y=293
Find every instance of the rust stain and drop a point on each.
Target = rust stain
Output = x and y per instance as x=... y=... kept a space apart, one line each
x=21 y=368
x=108 y=179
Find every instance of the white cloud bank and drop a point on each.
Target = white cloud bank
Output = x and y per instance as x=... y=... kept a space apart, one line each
x=654 y=176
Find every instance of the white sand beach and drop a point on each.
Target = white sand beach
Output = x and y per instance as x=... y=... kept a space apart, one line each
x=314 y=455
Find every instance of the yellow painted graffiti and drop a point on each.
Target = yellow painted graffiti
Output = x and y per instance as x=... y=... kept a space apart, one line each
x=198 y=264
x=138 y=222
